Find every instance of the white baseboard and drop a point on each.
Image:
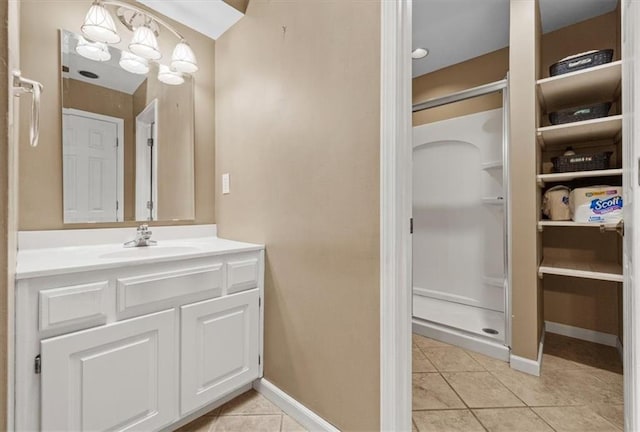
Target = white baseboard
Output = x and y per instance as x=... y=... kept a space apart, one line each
x=582 y=333
x=303 y=415
x=531 y=367
x=620 y=349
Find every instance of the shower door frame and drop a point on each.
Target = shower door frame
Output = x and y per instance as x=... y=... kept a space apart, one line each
x=483 y=90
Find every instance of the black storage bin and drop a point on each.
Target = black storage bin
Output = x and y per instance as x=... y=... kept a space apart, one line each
x=581 y=162
x=582 y=62
x=580 y=113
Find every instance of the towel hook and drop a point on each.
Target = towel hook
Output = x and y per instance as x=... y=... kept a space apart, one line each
x=21 y=86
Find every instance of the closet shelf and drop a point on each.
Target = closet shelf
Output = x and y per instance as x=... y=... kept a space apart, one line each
x=597 y=84
x=588 y=130
x=561 y=177
x=492 y=165
x=571 y=224
x=606 y=271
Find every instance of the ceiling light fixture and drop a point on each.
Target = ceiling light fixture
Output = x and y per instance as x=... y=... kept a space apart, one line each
x=419 y=53
x=183 y=58
x=145 y=44
x=96 y=51
x=134 y=63
x=99 y=26
x=169 y=76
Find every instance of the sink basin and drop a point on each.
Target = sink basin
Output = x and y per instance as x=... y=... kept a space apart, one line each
x=149 y=251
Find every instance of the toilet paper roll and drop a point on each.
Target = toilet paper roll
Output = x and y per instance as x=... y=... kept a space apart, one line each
x=597 y=204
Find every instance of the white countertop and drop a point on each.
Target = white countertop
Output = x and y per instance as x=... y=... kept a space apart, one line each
x=49 y=261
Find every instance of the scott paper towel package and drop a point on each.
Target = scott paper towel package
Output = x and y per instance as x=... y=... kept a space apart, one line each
x=598 y=204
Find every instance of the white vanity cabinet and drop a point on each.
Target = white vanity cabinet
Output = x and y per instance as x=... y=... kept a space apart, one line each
x=136 y=347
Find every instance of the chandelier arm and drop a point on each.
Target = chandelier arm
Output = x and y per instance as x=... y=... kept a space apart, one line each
x=146 y=13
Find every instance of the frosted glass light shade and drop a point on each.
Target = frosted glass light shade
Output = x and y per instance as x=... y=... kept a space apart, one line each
x=183 y=58
x=99 y=26
x=168 y=76
x=145 y=44
x=97 y=51
x=133 y=63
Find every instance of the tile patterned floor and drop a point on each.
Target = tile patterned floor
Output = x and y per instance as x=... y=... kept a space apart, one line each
x=249 y=412
x=455 y=390
x=461 y=391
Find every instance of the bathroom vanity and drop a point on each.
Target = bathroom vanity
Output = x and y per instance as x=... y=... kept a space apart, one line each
x=113 y=338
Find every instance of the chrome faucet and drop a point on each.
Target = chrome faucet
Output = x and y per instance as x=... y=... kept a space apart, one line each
x=143 y=238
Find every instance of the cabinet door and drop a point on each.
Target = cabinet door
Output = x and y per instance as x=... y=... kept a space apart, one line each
x=117 y=377
x=220 y=347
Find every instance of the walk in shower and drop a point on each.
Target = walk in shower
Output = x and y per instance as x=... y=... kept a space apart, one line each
x=460 y=222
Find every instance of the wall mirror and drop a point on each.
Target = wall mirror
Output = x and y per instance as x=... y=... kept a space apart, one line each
x=127 y=139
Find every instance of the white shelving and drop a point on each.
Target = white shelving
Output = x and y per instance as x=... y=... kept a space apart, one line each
x=605 y=271
x=588 y=130
x=562 y=177
x=572 y=224
x=599 y=83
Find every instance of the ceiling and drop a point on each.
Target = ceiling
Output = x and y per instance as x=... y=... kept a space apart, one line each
x=209 y=17
x=110 y=74
x=457 y=30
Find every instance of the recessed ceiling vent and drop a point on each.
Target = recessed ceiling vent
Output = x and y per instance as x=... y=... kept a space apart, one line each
x=88 y=74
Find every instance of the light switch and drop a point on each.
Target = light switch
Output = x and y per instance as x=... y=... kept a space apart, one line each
x=225 y=184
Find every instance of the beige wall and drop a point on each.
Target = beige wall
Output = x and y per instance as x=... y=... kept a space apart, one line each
x=297 y=128
x=471 y=73
x=101 y=100
x=173 y=146
x=523 y=194
x=597 y=33
x=41 y=168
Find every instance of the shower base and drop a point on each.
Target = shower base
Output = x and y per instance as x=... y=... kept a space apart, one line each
x=460 y=325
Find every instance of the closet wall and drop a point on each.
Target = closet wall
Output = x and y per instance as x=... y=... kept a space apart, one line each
x=471 y=73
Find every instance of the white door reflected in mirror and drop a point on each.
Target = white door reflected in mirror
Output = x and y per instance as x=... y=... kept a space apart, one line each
x=93 y=164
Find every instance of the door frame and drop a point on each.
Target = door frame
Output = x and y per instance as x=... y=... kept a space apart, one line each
x=395 y=215
x=630 y=11
x=395 y=212
x=119 y=152
x=144 y=165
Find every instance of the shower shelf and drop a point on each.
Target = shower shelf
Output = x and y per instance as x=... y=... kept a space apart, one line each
x=492 y=165
x=596 y=84
x=605 y=271
x=561 y=177
x=588 y=130
x=494 y=281
x=493 y=200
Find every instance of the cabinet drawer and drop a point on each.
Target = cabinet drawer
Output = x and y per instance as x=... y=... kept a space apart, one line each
x=154 y=291
x=78 y=306
x=242 y=275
